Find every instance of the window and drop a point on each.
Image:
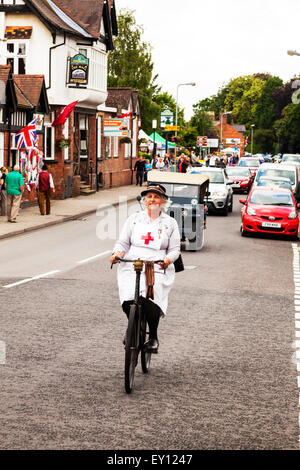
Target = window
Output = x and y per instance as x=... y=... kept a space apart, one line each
x=83 y=135
x=116 y=147
x=19 y=118
x=1 y=149
x=16 y=53
x=98 y=137
x=65 y=133
x=83 y=52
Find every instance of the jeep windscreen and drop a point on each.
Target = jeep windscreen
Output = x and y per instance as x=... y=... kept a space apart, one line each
x=182 y=190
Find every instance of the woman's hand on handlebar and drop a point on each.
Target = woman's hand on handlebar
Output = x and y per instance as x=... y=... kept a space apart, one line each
x=117 y=254
x=165 y=263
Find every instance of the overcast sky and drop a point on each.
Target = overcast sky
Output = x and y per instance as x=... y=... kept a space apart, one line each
x=210 y=42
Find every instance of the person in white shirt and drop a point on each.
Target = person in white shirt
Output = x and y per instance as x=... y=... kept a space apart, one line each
x=149 y=235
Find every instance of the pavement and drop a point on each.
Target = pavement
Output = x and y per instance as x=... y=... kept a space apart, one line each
x=30 y=219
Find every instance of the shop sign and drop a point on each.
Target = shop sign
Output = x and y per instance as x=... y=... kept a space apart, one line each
x=115 y=127
x=39 y=121
x=79 y=70
x=233 y=141
x=166 y=118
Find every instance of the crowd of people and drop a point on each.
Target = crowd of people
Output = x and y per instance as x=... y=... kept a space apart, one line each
x=183 y=163
x=12 y=186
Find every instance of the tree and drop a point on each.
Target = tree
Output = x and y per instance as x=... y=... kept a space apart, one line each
x=264 y=140
x=242 y=97
x=130 y=65
x=265 y=105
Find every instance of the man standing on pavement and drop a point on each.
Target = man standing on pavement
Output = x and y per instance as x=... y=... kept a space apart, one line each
x=44 y=185
x=140 y=167
x=14 y=185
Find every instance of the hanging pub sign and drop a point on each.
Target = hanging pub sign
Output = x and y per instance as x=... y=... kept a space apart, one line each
x=79 y=70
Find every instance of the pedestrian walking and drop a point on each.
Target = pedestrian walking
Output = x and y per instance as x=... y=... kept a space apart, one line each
x=44 y=185
x=139 y=167
x=14 y=184
x=167 y=164
x=154 y=162
x=148 y=167
x=3 y=191
x=160 y=164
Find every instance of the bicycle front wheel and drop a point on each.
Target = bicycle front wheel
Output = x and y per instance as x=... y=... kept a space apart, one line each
x=131 y=348
x=145 y=355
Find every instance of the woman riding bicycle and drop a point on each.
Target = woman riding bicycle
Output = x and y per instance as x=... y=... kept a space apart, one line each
x=149 y=235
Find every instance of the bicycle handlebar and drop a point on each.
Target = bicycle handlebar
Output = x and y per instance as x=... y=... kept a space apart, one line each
x=132 y=261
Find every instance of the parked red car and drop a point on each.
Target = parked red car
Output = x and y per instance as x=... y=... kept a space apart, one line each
x=270 y=210
x=242 y=178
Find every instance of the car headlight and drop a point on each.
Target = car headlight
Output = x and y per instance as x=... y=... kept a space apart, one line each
x=251 y=211
x=293 y=215
x=219 y=194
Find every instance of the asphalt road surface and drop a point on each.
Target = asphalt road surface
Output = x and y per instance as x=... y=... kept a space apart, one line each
x=225 y=376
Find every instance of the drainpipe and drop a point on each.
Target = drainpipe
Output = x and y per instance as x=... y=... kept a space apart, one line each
x=50 y=56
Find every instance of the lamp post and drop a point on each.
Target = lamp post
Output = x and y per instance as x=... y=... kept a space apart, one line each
x=154 y=126
x=221 y=118
x=252 y=125
x=176 y=114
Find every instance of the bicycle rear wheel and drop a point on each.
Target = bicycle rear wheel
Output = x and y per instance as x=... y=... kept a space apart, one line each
x=131 y=348
x=145 y=355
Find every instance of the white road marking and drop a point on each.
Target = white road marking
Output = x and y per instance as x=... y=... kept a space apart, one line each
x=29 y=279
x=94 y=257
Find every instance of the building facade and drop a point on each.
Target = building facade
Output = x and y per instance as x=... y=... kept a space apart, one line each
x=67 y=42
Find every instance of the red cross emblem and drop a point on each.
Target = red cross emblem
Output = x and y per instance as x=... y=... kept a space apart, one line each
x=147 y=238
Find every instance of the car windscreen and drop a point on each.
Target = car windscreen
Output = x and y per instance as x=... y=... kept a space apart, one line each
x=182 y=190
x=214 y=176
x=271 y=198
x=249 y=163
x=237 y=171
x=269 y=172
x=277 y=183
x=291 y=158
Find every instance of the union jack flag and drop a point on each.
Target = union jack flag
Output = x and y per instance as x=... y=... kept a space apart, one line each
x=26 y=138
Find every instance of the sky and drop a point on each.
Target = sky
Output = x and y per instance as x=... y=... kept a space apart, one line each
x=211 y=42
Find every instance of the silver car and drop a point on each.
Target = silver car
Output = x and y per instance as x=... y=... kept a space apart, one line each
x=220 y=197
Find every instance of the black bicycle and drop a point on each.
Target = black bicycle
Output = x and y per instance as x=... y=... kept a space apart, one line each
x=137 y=333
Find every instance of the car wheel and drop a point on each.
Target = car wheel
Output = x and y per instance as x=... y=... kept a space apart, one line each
x=230 y=208
x=244 y=233
x=225 y=210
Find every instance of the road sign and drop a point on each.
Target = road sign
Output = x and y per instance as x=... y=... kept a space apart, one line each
x=172 y=128
x=202 y=141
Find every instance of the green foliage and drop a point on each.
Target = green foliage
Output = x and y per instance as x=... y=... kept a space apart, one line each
x=263 y=140
x=288 y=129
x=130 y=65
x=265 y=106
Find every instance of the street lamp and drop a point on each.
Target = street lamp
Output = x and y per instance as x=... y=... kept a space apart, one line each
x=252 y=125
x=221 y=116
x=176 y=114
x=154 y=126
x=293 y=52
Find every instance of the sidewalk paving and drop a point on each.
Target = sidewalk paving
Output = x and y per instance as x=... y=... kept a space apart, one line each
x=29 y=218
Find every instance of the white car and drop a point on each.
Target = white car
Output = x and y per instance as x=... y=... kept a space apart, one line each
x=220 y=197
x=291 y=159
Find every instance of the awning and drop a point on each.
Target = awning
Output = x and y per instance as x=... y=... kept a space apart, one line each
x=158 y=139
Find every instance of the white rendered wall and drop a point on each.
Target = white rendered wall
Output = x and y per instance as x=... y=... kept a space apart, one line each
x=37 y=62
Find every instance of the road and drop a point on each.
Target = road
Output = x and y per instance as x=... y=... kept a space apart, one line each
x=225 y=376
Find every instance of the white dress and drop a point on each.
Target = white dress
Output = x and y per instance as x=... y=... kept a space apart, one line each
x=141 y=238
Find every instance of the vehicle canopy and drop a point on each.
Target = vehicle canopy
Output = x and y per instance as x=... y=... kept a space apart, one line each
x=181 y=186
